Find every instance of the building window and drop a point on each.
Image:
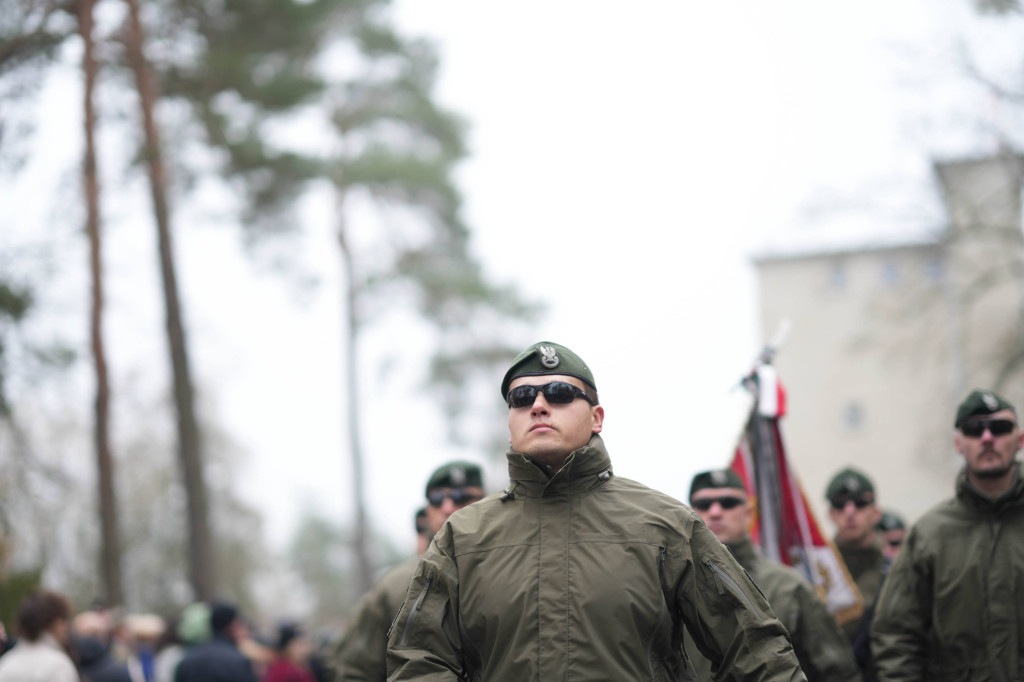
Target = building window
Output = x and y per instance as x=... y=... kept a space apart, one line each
x=890 y=273
x=853 y=415
x=838 y=276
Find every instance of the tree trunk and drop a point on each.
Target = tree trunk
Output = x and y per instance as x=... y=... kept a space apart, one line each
x=360 y=539
x=110 y=552
x=201 y=561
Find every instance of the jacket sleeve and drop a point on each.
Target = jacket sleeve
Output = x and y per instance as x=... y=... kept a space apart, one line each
x=729 y=619
x=424 y=642
x=360 y=654
x=821 y=646
x=899 y=633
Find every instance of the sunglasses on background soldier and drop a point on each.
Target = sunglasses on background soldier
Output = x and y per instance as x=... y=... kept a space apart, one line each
x=726 y=502
x=976 y=428
x=458 y=496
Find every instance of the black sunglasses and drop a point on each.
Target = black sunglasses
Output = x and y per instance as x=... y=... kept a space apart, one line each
x=894 y=543
x=458 y=496
x=997 y=427
x=556 y=393
x=726 y=502
x=839 y=503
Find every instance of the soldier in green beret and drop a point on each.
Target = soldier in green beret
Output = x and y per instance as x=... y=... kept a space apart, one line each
x=360 y=654
x=893 y=531
x=951 y=606
x=720 y=498
x=573 y=572
x=854 y=511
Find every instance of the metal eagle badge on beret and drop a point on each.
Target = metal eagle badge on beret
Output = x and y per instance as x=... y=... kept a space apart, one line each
x=990 y=401
x=719 y=479
x=852 y=484
x=548 y=356
x=458 y=476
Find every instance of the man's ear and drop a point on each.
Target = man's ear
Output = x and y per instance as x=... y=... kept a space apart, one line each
x=597 y=415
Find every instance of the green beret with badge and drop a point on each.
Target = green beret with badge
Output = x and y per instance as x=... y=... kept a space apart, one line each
x=716 y=478
x=545 y=358
x=849 y=482
x=981 y=403
x=456 y=475
x=890 y=521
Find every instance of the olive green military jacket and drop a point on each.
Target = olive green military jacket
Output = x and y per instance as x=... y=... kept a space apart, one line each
x=867 y=567
x=952 y=607
x=583 y=576
x=821 y=647
x=360 y=654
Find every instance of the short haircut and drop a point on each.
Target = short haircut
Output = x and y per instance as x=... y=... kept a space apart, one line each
x=39 y=611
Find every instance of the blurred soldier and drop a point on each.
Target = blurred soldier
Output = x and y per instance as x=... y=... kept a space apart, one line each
x=219 y=659
x=853 y=509
x=855 y=512
x=44 y=630
x=361 y=652
x=91 y=636
x=572 y=572
x=423 y=532
x=951 y=607
x=821 y=647
x=893 y=532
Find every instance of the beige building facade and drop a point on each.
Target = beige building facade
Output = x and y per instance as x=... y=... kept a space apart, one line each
x=885 y=340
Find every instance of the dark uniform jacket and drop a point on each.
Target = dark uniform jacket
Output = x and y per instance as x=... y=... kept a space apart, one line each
x=583 y=576
x=821 y=647
x=218 y=660
x=952 y=607
x=361 y=652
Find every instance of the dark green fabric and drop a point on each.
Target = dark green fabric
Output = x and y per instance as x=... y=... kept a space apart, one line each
x=951 y=608
x=582 y=576
x=890 y=521
x=456 y=475
x=361 y=653
x=821 y=647
x=866 y=566
x=547 y=358
x=849 y=481
x=716 y=478
x=980 y=403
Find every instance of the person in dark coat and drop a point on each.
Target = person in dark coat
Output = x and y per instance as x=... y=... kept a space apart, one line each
x=218 y=660
x=95 y=662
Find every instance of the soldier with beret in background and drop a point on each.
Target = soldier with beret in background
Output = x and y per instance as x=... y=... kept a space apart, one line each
x=951 y=607
x=720 y=498
x=360 y=653
x=573 y=572
x=893 y=531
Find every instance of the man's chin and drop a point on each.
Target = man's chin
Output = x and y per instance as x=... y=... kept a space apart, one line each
x=995 y=472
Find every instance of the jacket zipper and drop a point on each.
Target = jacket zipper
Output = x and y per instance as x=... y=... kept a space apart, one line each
x=415 y=612
x=723 y=578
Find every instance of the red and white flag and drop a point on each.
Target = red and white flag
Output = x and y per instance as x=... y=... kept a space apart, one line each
x=783 y=524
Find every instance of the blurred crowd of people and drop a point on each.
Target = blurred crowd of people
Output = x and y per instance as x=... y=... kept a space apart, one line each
x=204 y=642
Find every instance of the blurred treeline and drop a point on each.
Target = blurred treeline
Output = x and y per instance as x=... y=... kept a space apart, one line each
x=268 y=101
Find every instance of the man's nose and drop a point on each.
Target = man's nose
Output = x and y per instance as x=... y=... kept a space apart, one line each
x=540 y=404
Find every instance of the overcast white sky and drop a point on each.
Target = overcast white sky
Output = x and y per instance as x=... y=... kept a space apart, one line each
x=626 y=163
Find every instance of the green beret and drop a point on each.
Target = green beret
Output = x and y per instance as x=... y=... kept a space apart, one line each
x=981 y=403
x=456 y=475
x=547 y=358
x=890 y=521
x=849 y=482
x=716 y=478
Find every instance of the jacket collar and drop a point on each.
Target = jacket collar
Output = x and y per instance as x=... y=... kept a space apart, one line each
x=744 y=551
x=975 y=499
x=583 y=469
